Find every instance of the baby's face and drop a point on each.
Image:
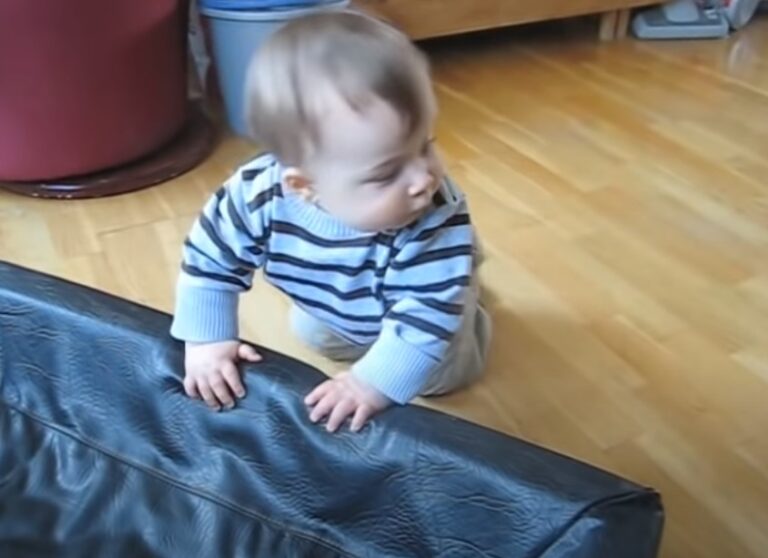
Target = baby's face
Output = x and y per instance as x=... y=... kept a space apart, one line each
x=367 y=173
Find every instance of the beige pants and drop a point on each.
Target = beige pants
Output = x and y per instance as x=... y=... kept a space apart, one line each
x=463 y=363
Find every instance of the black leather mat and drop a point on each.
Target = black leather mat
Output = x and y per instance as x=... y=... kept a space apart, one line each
x=102 y=455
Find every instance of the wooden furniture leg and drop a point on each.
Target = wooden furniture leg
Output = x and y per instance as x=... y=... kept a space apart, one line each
x=614 y=24
x=608 y=22
x=622 y=23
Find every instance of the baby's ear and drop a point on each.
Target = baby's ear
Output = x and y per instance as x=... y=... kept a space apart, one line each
x=295 y=180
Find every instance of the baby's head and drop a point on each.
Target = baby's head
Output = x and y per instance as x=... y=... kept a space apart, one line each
x=345 y=103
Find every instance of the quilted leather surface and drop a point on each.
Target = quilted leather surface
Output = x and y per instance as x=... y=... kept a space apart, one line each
x=102 y=455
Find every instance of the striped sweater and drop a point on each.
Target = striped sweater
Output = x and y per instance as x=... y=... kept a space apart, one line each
x=401 y=292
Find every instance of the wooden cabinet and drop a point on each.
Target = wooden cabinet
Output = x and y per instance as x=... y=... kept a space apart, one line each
x=432 y=18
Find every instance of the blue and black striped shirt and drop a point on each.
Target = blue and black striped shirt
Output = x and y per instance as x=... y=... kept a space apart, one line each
x=401 y=292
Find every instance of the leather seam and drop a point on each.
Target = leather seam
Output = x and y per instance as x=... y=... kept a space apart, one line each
x=584 y=511
x=167 y=479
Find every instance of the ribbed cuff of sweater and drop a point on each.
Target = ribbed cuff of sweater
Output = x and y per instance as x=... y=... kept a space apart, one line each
x=395 y=368
x=205 y=315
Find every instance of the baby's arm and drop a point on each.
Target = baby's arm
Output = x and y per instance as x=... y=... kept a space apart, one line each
x=220 y=255
x=426 y=286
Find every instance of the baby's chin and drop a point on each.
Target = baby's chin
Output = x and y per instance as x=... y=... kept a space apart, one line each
x=394 y=224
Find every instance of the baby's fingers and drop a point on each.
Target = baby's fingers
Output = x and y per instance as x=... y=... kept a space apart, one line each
x=322 y=409
x=221 y=390
x=207 y=393
x=318 y=393
x=232 y=378
x=340 y=412
x=190 y=387
x=362 y=414
x=247 y=352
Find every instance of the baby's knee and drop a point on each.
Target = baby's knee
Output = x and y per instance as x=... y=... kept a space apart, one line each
x=307 y=328
x=465 y=362
x=321 y=338
x=453 y=376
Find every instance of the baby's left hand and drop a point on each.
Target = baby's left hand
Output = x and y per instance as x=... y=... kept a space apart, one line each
x=342 y=397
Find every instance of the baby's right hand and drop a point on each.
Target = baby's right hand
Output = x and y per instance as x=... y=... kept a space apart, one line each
x=211 y=371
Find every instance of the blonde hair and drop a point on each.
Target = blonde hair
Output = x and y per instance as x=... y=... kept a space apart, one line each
x=358 y=56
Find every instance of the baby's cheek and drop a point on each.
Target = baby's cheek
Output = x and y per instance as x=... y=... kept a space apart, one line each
x=436 y=164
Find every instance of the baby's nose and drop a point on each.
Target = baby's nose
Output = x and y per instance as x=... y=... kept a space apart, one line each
x=424 y=183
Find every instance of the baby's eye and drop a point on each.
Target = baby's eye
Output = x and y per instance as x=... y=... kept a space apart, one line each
x=385 y=178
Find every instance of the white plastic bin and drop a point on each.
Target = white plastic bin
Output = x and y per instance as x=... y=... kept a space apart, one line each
x=236 y=36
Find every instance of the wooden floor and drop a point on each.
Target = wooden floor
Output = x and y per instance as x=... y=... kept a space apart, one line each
x=621 y=191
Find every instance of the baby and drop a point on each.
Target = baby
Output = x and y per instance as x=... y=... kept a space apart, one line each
x=350 y=215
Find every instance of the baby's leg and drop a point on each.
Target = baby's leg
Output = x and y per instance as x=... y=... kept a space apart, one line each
x=465 y=361
x=321 y=338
